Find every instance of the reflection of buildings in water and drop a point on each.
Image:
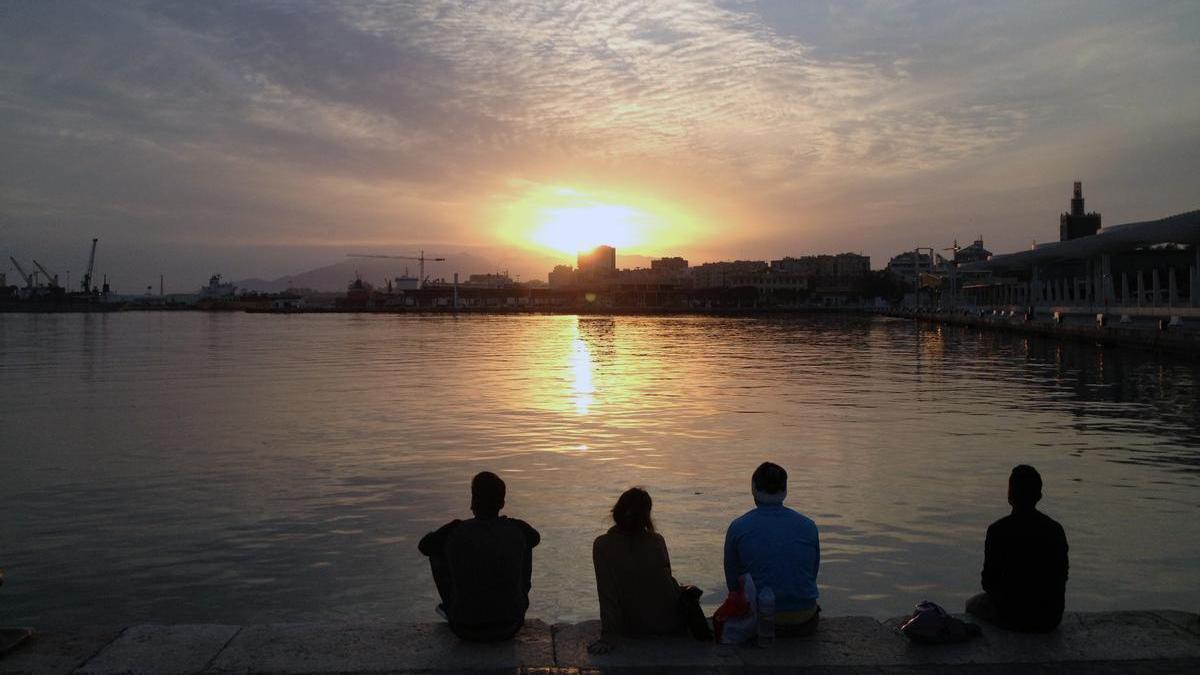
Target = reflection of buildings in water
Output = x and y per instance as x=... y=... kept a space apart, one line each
x=1097 y=374
x=930 y=347
x=932 y=341
x=94 y=339
x=600 y=334
x=850 y=332
x=1151 y=390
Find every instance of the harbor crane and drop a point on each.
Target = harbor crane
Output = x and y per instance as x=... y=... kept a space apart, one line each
x=421 y=259
x=21 y=270
x=51 y=279
x=87 y=276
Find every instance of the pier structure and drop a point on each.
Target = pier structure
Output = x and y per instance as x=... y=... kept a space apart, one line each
x=1139 y=269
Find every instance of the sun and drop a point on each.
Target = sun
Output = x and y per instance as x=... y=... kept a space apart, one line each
x=571 y=229
x=567 y=220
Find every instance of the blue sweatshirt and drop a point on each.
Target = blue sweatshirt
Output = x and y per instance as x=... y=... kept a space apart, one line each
x=779 y=548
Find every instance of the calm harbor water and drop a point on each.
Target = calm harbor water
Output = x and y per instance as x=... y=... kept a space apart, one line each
x=248 y=468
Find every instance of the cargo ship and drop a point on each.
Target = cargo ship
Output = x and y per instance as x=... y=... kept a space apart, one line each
x=358 y=294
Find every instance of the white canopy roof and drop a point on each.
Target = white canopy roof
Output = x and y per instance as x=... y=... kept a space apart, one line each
x=1183 y=228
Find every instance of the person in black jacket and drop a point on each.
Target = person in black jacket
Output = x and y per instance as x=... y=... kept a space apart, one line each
x=483 y=566
x=1025 y=562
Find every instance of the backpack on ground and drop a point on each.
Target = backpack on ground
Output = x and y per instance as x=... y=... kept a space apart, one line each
x=930 y=624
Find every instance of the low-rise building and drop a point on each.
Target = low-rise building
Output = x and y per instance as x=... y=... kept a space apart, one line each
x=285 y=302
x=496 y=280
x=970 y=254
x=640 y=275
x=723 y=274
x=675 y=264
x=561 y=276
x=840 y=267
x=909 y=265
x=770 y=280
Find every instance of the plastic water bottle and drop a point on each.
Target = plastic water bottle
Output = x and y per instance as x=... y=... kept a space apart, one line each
x=766 y=617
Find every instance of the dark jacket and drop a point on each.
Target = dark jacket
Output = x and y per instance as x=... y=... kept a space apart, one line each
x=1025 y=569
x=490 y=564
x=638 y=595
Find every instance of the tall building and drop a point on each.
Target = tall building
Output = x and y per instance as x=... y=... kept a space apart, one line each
x=598 y=262
x=1077 y=223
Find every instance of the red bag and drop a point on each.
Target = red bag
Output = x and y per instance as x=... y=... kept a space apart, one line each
x=736 y=606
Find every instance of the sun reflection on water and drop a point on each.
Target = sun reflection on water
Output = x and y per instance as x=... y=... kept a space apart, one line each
x=580 y=363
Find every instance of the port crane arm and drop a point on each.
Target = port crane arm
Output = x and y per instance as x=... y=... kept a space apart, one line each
x=20 y=270
x=421 y=259
x=51 y=279
x=87 y=277
x=394 y=257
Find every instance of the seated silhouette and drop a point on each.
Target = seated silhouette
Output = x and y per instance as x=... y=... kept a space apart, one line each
x=638 y=595
x=1024 y=562
x=780 y=550
x=483 y=566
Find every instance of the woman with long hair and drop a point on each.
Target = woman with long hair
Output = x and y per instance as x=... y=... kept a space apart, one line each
x=638 y=595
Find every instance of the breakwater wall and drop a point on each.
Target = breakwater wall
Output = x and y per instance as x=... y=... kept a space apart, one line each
x=1105 y=642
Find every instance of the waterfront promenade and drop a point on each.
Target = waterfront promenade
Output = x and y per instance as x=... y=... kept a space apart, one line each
x=1104 y=642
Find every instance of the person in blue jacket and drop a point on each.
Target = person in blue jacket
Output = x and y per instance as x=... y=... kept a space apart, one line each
x=780 y=550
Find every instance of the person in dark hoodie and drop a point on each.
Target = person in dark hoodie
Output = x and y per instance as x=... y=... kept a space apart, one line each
x=638 y=595
x=483 y=566
x=1024 y=562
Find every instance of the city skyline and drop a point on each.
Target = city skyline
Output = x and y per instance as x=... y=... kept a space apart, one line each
x=263 y=140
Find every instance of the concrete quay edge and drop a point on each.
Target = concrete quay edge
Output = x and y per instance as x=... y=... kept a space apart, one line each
x=1162 y=641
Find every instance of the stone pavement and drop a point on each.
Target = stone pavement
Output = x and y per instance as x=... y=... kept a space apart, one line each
x=1106 y=642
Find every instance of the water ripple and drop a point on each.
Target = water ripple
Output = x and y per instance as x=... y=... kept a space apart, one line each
x=246 y=468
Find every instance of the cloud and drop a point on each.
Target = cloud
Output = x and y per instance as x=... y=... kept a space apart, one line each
x=392 y=121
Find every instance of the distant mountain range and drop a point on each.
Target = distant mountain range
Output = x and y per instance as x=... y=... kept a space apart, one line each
x=335 y=277
x=376 y=271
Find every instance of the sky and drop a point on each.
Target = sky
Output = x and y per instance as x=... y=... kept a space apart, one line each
x=261 y=139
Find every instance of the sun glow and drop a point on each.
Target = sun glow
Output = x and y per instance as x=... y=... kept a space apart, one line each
x=568 y=220
x=580 y=228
